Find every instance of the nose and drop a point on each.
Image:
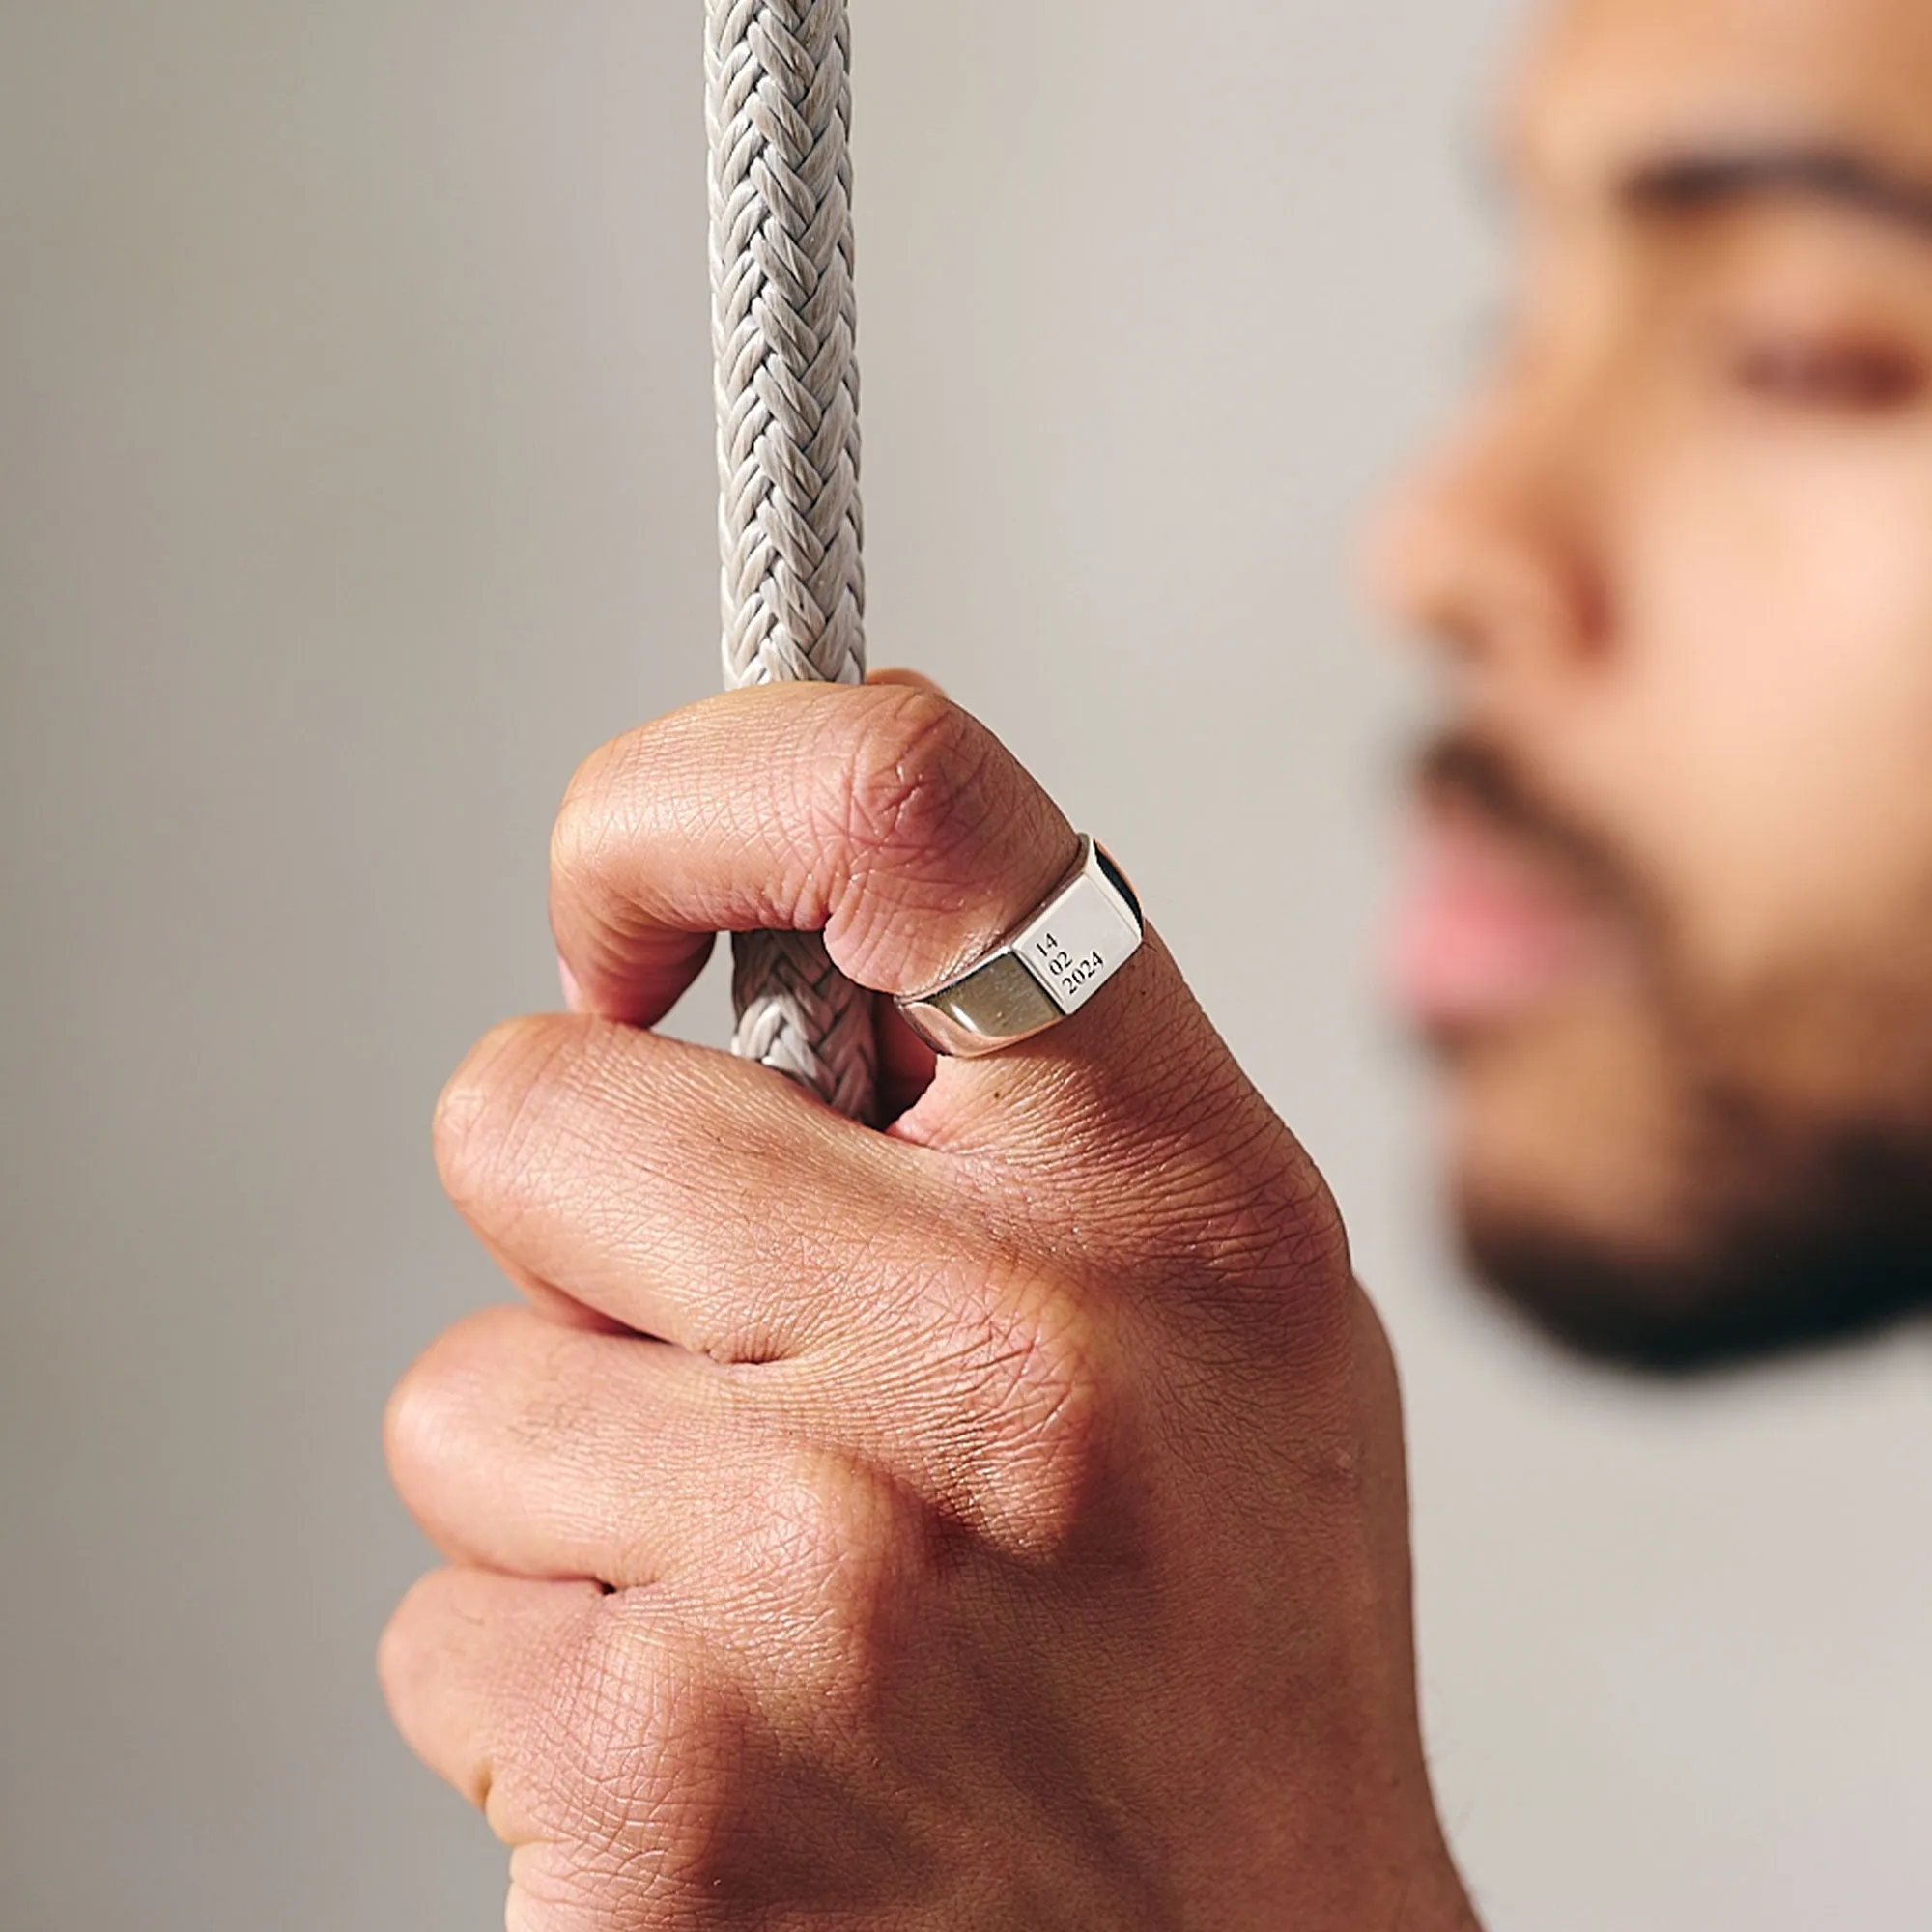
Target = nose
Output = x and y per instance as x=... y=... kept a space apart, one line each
x=1491 y=549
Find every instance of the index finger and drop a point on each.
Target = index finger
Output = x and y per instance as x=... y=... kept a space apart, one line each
x=886 y=817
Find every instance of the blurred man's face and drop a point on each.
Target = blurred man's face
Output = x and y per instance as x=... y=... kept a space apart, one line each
x=1672 y=928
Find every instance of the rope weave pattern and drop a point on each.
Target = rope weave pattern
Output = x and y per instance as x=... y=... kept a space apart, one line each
x=784 y=328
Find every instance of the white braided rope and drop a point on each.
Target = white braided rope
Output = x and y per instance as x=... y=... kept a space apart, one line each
x=784 y=325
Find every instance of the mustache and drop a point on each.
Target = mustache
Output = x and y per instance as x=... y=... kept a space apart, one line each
x=1468 y=772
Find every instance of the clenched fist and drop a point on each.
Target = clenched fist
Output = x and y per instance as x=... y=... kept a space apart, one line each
x=995 y=1521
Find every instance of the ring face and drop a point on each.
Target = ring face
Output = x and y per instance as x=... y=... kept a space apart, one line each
x=1045 y=973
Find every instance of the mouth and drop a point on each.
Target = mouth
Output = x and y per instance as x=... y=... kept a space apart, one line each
x=1490 y=931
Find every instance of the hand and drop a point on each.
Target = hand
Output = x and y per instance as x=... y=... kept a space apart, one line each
x=993 y=1522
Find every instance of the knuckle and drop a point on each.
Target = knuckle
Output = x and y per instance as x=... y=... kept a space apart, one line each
x=485 y=1686
x=415 y=1433
x=404 y=1647
x=922 y=778
x=596 y=812
x=828 y=1518
x=925 y=807
x=626 y=1700
x=490 y=1115
x=1029 y=1406
x=425 y=1684
x=837 y=1558
x=640 y=1736
x=442 y=1415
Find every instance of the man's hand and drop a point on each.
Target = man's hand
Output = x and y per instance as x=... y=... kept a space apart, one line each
x=993 y=1522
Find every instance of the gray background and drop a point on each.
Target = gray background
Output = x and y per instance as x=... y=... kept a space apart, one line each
x=354 y=399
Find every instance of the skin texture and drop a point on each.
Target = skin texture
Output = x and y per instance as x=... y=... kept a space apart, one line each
x=1006 y=1525
x=999 y=1521
x=1677 y=563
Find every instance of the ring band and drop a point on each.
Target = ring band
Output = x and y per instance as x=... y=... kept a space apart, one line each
x=1060 y=957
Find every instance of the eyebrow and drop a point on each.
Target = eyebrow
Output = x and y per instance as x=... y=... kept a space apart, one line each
x=1841 y=177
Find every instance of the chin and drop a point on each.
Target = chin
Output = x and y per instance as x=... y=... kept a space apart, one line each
x=1621 y=1306
x=1643 y=1221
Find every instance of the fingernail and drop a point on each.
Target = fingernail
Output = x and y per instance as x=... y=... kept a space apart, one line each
x=914 y=680
x=573 y=993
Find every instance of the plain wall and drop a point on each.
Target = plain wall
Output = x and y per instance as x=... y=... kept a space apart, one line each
x=356 y=479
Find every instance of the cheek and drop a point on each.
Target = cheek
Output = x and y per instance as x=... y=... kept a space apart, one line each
x=1773 y=601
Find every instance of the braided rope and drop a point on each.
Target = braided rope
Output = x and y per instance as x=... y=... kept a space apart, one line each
x=785 y=325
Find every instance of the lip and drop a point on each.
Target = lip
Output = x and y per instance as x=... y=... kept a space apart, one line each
x=1486 y=933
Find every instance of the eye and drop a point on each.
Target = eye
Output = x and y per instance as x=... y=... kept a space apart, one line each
x=1863 y=378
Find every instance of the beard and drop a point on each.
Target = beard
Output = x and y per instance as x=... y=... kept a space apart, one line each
x=1707 y=1176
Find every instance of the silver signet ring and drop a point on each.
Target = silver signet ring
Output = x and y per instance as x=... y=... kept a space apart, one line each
x=1063 y=953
